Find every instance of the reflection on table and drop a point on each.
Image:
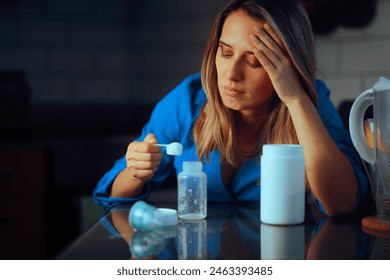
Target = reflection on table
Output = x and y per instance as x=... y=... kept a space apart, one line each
x=230 y=231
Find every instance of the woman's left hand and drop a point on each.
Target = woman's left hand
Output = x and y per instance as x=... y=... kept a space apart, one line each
x=272 y=54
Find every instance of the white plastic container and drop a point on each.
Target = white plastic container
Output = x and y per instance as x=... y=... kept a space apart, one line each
x=192 y=191
x=282 y=187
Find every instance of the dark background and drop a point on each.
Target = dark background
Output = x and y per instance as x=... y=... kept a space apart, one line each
x=78 y=79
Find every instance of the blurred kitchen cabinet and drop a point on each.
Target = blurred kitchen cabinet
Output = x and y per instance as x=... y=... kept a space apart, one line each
x=22 y=180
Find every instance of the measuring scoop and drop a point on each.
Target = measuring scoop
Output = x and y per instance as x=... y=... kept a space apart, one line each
x=173 y=149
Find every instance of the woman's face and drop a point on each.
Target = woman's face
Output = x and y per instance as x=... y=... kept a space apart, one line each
x=243 y=83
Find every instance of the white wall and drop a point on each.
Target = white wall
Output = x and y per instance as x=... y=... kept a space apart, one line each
x=352 y=60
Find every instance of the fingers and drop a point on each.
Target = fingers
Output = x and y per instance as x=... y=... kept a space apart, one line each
x=146 y=147
x=269 y=48
x=143 y=158
x=274 y=36
x=150 y=138
x=265 y=56
x=273 y=55
x=269 y=37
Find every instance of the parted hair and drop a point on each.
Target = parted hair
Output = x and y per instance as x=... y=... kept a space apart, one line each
x=215 y=128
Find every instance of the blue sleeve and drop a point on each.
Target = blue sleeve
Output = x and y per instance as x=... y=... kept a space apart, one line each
x=169 y=122
x=342 y=138
x=103 y=188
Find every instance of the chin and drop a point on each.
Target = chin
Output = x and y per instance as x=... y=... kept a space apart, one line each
x=235 y=106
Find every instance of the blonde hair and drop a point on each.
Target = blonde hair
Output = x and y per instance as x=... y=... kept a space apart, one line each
x=215 y=128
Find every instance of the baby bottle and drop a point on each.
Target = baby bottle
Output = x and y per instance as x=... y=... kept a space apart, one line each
x=192 y=191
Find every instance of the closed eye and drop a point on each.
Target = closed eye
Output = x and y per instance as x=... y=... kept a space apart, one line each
x=254 y=63
x=225 y=52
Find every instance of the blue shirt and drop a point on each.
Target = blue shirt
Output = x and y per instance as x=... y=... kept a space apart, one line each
x=172 y=120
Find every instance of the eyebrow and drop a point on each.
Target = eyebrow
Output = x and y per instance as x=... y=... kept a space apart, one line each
x=229 y=46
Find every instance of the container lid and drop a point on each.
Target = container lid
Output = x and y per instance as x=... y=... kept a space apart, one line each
x=283 y=150
x=192 y=166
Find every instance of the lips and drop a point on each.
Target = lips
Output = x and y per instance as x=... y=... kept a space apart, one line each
x=232 y=91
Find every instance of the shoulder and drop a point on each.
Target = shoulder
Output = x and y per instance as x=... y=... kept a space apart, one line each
x=330 y=116
x=175 y=113
x=187 y=97
x=322 y=89
x=189 y=88
x=328 y=112
x=324 y=104
x=192 y=82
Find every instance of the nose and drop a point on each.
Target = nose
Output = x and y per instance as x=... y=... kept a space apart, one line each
x=234 y=71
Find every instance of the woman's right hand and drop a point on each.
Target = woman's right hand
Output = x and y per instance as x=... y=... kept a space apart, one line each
x=143 y=158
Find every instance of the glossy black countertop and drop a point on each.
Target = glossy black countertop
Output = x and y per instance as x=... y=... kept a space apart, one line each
x=230 y=231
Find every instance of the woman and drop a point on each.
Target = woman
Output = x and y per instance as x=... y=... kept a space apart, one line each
x=257 y=86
